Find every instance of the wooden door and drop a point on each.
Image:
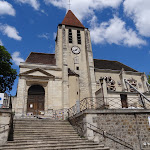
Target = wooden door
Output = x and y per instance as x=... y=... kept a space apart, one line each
x=35 y=104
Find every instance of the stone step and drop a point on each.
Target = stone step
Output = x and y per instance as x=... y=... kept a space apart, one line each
x=41 y=121
x=46 y=138
x=51 y=140
x=35 y=119
x=48 y=148
x=65 y=146
x=46 y=129
x=44 y=123
x=43 y=126
x=49 y=144
x=45 y=134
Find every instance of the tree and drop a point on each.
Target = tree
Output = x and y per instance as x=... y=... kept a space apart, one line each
x=7 y=73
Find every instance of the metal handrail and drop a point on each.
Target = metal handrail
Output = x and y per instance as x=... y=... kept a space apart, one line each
x=104 y=133
x=4 y=126
x=136 y=90
x=100 y=103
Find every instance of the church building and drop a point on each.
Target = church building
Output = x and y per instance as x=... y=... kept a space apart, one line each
x=55 y=82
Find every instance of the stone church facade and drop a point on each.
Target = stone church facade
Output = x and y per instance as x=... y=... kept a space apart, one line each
x=49 y=82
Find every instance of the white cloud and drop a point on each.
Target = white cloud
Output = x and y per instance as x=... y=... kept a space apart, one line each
x=44 y=35
x=84 y=8
x=139 y=11
x=1 y=43
x=115 y=32
x=10 y=32
x=33 y=3
x=16 y=58
x=6 y=9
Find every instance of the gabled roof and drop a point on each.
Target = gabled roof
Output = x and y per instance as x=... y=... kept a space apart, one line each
x=41 y=58
x=71 y=20
x=112 y=65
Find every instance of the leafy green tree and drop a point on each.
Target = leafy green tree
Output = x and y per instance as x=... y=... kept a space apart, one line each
x=7 y=73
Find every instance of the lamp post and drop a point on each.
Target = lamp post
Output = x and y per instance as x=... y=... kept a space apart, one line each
x=101 y=82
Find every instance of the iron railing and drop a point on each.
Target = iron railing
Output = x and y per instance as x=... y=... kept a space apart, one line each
x=4 y=127
x=100 y=103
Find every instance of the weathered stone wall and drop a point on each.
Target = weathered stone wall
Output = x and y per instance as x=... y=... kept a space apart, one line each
x=133 y=128
x=5 y=116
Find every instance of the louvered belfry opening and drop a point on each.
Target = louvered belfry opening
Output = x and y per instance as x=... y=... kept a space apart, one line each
x=35 y=102
x=78 y=36
x=70 y=36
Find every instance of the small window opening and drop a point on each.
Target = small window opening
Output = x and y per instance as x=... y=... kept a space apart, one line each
x=78 y=36
x=77 y=93
x=70 y=36
x=77 y=68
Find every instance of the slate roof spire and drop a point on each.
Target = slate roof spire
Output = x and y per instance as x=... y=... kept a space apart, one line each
x=71 y=20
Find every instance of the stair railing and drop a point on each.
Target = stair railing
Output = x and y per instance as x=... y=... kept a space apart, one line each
x=109 y=136
x=141 y=94
x=3 y=127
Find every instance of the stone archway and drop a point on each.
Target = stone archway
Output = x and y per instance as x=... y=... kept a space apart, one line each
x=36 y=99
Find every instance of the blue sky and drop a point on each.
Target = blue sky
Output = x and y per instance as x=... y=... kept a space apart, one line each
x=120 y=29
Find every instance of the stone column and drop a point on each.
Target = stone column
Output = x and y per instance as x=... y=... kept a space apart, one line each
x=90 y=64
x=144 y=80
x=123 y=84
x=21 y=98
x=64 y=70
x=89 y=121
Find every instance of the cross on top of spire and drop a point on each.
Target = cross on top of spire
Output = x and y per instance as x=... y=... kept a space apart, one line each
x=69 y=5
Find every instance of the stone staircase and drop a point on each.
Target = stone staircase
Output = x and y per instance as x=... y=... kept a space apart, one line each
x=44 y=134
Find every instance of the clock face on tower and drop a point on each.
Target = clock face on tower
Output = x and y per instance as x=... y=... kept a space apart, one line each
x=75 y=50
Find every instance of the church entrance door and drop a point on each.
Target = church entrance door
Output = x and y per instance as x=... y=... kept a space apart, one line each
x=35 y=103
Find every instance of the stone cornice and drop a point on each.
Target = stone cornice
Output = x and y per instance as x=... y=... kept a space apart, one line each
x=117 y=71
x=44 y=67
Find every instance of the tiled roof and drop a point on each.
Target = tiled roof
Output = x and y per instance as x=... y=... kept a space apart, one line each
x=41 y=58
x=71 y=20
x=112 y=65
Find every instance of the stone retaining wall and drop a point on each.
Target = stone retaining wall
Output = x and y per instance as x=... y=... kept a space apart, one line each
x=131 y=126
x=5 y=116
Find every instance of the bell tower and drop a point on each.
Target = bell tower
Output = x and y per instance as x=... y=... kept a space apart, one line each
x=74 y=56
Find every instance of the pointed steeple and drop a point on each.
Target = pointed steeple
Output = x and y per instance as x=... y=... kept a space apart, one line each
x=71 y=20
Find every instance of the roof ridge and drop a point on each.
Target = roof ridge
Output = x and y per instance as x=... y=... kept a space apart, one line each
x=42 y=53
x=105 y=59
x=126 y=65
